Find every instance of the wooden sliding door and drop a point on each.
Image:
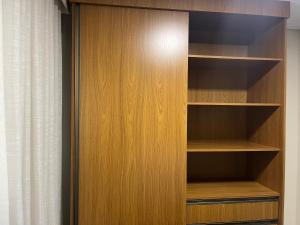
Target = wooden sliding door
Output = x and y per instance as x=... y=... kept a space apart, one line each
x=132 y=116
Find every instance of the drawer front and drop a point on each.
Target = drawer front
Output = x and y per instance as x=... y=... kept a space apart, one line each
x=263 y=222
x=232 y=212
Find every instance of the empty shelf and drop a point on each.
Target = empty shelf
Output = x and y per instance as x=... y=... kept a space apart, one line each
x=224 y=190
x=246 y=104
x=235 y=61
x=233 y=58
x=227 y=146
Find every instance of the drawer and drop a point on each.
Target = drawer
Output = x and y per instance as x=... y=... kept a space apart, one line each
x=263 y=222
x=232 y=210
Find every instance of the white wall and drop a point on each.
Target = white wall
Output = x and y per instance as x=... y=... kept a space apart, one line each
x=292 y=170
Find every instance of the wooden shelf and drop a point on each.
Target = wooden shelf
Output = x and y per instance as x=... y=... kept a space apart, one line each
x=233 y=61
x=223 y=190
x=233 y=58
x=228 y=146
x=247 y=104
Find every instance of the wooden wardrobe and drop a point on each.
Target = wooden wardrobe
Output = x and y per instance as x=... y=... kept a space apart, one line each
x=178 y=112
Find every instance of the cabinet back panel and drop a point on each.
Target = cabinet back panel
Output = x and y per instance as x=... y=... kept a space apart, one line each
x=264 y=169
x=269 y=43
x=264 y=125
x=216 y=166
x=132 y=137
x=209 y=122
x=265 y=84
x=230 y=29
x=218 y=49
x=217 y=85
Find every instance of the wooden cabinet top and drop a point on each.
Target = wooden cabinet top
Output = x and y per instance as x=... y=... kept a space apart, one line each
x=249 y=7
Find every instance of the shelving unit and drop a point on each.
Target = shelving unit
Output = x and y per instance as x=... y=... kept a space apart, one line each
x=235 y=116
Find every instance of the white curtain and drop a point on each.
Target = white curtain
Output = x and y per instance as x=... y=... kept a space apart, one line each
x=30 y=112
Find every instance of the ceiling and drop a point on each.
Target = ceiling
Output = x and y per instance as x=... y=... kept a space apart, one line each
x=294 y=20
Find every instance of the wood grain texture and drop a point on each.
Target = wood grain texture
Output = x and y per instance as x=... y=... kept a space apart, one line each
x=216 y=166
x=269 y=169
x=218 y=49
x=270 y=42
x=237 y=212
x=224 y=190
x=222 y=74
x=231 y=82
x=216 y=85
x=222 y=145
x=266 y=87
x=253 y=7
x=133 y=91
x=228 y=29
x=281 y=156
x=264 y=126
x=249 y=59
x=234 y=104
x=216 y=122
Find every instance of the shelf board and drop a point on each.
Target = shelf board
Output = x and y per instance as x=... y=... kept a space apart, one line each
x=241 y=104
x=233 y=58
x=223 y=190
x=233 y=61
x=228 y=146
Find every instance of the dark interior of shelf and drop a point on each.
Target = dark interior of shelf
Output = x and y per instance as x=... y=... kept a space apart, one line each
x=234 y=83
x=227 y=166
x=233 y=35
x=209 y=27
x=224 y=122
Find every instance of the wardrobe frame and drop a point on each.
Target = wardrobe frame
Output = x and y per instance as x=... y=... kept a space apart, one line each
x=278 y=9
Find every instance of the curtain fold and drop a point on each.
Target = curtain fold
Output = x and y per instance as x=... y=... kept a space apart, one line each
x=4 y=206
x=30 y=112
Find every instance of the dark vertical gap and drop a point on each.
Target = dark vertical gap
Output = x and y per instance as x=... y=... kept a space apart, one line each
x=66 y=31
